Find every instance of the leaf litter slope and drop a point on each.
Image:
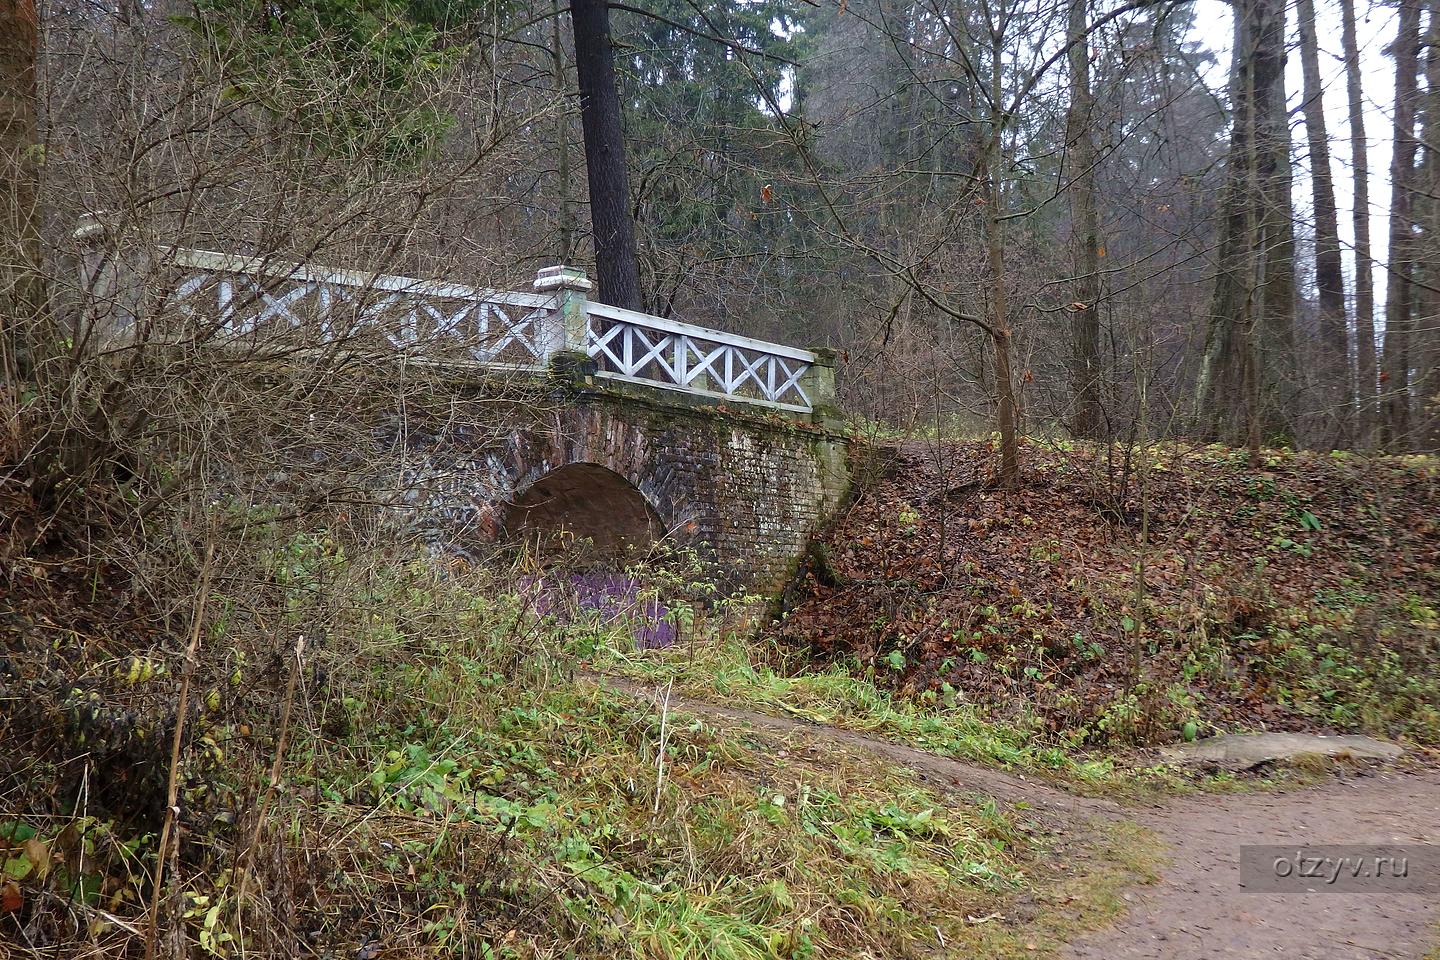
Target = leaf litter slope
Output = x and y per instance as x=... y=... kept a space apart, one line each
x=1114 y=599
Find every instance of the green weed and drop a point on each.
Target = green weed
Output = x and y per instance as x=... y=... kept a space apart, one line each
x=729 y=670
x=505 y=810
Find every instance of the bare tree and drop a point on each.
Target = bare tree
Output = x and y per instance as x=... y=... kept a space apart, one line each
x=1249 y=337
x=1425 y=344
x=562 y=137
x=1333 y=373
x=1366 y=367
x=997 y=20
x=22 y=288
x=1083 y=158
x=1400 y=289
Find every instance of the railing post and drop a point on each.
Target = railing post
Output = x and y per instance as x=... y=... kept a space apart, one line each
x=819 y=385
x=563 y=342
x=112 y=288
x=701 y=380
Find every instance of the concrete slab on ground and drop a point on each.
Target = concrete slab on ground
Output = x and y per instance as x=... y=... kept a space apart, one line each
x=1253 y=749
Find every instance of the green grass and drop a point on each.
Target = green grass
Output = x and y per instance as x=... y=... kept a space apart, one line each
x=1084 y=891
x=729 y=671
x=447 y=788
x=457 y=789
x=732 y=853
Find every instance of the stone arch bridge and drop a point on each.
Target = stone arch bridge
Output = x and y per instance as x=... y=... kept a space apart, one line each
x=651 y=429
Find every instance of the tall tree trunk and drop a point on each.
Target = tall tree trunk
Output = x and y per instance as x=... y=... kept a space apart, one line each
x=1000 y=333
x=1221 y=394
x=1366 y=368
x=1334 y=366
x=1000 y=337
x=1249 y=345
x=1275 y=221
x=1251 y=374
x=1399 y=287
x=1425 y=338
x=1087 y=414
x=22 y=285
x=616 y=261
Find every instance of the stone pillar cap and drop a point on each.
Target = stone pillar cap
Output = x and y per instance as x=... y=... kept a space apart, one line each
x=561 y=278
x=89 y=227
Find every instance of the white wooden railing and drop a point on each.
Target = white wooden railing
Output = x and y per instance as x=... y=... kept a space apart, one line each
x=253 y=296
x=231 y=296
x=639 y=348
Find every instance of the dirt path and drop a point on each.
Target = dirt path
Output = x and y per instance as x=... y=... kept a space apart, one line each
x=1198 y=910
x=943 y=772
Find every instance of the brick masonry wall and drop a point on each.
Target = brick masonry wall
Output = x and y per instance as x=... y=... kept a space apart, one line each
x=745 y=489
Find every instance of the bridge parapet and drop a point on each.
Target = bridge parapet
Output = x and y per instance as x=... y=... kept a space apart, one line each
x=257 y=297
x=253 y=298
x=708 y=440
x=658 y=352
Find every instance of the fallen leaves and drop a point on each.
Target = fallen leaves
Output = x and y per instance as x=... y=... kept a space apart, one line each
x=1037 y=599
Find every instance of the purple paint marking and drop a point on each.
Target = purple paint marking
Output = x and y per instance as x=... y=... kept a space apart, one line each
x=614 y=597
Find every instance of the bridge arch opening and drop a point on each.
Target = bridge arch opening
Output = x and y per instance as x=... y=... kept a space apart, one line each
x=583 y=508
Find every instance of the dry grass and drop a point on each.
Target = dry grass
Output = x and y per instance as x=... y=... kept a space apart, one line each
x=445 y=789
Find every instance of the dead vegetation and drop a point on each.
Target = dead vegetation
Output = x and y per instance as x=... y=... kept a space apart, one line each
x=398 y=762
x=1143 y=595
